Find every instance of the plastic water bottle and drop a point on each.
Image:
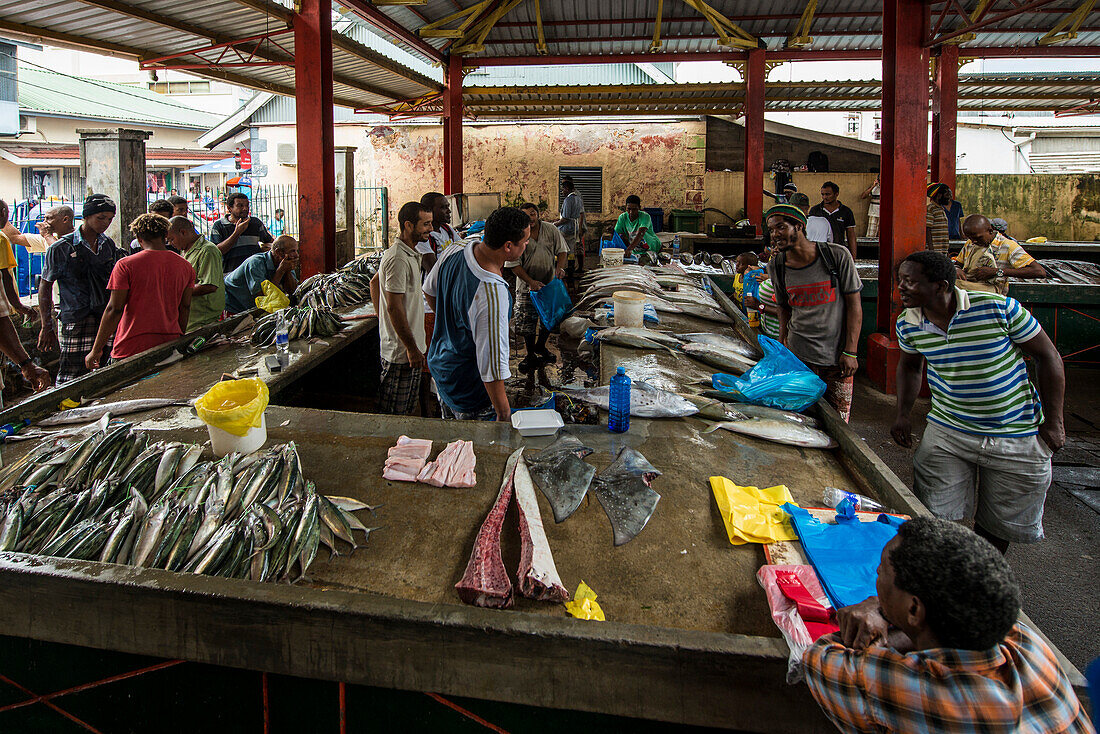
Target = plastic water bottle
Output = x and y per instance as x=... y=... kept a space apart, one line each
x=282 y=341
x=675 y=247
x=618 y=414
x=834 y=497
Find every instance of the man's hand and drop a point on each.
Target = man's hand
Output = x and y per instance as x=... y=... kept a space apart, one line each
x=751 y=303
x=983 y=273
x=902 y=432
x=417 y=360
x=1053 y=434
x=960 y=274
x=559 y=273
x=27 y=311
x=535 y=285
x=91 y=360
x=504 y=416
x=241 y=226
x=862 y=625
x=47 y=340
x=43 y=228
x=39 y=378
x=848 y=365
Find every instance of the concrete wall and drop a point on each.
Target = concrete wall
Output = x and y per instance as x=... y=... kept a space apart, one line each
x=1058 y=207
x=725 y=190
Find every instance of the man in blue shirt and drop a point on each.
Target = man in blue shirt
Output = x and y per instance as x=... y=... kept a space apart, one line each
x=572 y=221
x=244 y=284
x=468 y=357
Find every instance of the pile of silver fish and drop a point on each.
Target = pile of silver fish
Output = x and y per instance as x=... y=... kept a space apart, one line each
x=112 y=496
x=302 y=322
x=333 y=290
x=667 y=289
x=726 y=353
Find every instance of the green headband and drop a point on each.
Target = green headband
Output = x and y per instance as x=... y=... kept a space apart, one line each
x=934 y=188
x=788 y=211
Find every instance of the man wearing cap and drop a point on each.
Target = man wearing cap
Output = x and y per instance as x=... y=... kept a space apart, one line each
x=80 y=263
x=817 y=291
x=989 y=259
x=936 y=229
x=789 y=190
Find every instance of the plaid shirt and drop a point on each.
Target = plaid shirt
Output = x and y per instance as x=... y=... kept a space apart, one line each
x=1017 y=686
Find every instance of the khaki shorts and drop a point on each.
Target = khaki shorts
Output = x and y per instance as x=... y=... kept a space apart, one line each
x=999 y=481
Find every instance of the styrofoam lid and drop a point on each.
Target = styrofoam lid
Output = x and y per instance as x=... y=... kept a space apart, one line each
x=537 y=420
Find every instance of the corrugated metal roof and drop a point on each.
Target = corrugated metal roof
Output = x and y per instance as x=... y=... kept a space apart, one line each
x=562 y=74
x=47 y=93
x=587 y=27
x=363 y=75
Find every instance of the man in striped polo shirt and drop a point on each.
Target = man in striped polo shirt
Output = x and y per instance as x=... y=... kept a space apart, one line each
x=986 y=415
x=468 y=356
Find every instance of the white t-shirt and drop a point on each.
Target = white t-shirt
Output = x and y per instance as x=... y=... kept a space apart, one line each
x=818 y=229
x=437 y=242
x=399 y=272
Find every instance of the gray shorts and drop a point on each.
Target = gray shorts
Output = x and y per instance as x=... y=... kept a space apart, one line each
x=526 y=315
x=1001 y=482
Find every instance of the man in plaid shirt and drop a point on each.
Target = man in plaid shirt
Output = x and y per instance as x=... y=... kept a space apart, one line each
x=940 y=649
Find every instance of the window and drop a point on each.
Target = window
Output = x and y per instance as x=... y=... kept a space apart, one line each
x=180 y=87
x=853 y=123
x=588 y=181
x=878 y=127
x=7 y=73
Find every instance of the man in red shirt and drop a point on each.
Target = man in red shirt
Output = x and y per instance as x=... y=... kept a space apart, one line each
x=150 y=296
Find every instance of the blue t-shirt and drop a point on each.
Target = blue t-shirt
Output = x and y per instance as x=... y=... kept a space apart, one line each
x=470 y=342
x=954 y=221
x=243 y=284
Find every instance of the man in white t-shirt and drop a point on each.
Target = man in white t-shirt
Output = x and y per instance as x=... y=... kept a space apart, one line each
x=818 y=229
x=401 y=313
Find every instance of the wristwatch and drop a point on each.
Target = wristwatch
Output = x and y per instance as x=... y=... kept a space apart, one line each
x=22 y=365
x=1000 y=272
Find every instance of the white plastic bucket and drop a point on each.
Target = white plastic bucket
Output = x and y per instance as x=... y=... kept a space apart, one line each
x=224 y=442
x=611 y=257
x=629 y=308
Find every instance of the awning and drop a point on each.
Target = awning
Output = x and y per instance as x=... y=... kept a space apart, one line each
x=226 y=165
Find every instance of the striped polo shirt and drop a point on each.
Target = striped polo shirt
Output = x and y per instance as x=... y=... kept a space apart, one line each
x=976 y=372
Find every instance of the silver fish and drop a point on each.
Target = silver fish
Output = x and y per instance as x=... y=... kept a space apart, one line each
x=646 y=401
x=628 y=336
x=719 y=358
x=732 y=343
x=777 y=431
x=763 y=411
x=90 y=413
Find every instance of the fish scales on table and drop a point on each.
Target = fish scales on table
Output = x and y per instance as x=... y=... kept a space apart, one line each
x=112 y=497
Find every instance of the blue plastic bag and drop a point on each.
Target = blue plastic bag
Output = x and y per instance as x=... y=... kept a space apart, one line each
x=552 y=302
x=779 y=380
x=846 y=555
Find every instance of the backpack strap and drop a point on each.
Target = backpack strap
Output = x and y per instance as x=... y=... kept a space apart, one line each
x=829 y=261
x=781 y=280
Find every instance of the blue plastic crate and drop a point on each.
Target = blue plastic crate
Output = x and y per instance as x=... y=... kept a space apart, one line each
x=28 y=267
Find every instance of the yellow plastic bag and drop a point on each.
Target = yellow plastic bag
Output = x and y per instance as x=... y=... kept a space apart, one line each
x=1035 y=240
x=234 y=405
x=273 y=299
x=584 y=604
x=753 y=515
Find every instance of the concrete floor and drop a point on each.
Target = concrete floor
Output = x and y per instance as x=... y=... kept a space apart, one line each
x=1059 y=577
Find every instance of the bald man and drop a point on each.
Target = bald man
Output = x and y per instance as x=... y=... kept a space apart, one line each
x=276 y=265
x=989 y=259
x=208 y=292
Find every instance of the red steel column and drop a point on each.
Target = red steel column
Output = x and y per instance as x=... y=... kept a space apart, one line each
x=904 y=169
x=945 y=115
x=316 y=154
x=754 y=137
x=452 y=127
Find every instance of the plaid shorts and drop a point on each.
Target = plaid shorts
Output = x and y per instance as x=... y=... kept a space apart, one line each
x=76 y=341
x=526 y=315
x=399 y=390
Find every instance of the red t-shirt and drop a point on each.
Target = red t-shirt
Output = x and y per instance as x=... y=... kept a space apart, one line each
x=156 y=280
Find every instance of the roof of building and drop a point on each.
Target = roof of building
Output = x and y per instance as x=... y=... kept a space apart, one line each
x=50 y=94
x=61 y=154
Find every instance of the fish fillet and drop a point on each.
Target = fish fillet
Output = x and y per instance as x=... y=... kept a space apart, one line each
x=538 y=576
x=486 y=582
x=405 y=460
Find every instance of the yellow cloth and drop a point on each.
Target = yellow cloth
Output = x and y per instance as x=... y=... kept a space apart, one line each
x=584 y=604
x=753 y=515
x=273 y=299
x=1002 y=252
x=7 y=254
x=739 y=287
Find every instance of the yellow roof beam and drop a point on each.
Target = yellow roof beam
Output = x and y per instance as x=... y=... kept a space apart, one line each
x=473 y=41
x=729 y=33
x=656 y=44
x=540 y=48
x=975 y=16
x=1072 y=22
x=435 y=29
x=801 y=36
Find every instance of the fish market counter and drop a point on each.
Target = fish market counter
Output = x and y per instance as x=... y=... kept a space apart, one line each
x=688 y=638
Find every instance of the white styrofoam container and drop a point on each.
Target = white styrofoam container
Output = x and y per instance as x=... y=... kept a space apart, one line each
x=543 y=422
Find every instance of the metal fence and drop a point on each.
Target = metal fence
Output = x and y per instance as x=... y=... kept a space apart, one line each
x=371 y=218
x=266 y=202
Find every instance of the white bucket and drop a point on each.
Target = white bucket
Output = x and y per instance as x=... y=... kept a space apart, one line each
x=629 y=308
x=224 y=442
x=611 y=257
